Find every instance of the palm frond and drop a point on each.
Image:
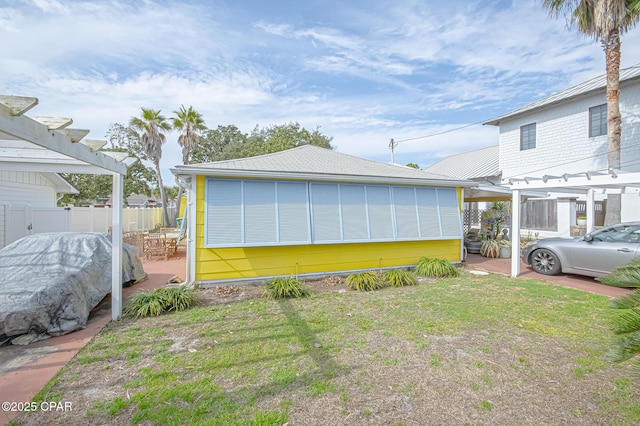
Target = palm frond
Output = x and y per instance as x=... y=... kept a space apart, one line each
x=628 y=322
x=627 y=301
x=628 y=346
x=624 y=276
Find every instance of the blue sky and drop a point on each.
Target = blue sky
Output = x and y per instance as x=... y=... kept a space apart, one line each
x=364 y=71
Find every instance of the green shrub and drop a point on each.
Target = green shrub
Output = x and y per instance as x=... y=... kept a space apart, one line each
x=398 y=278
x=284 y=287
x=180 y=298
x=365 y=281
x=160 y=300
x=624 y=276
x=436 y=267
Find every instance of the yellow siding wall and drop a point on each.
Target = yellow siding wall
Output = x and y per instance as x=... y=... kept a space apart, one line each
x=247 y=262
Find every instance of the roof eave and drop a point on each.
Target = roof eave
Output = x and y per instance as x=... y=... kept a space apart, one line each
x=226 y=173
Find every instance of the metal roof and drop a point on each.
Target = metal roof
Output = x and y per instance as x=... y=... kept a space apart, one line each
x=310 y=162
x=469 y=165
x=590 y=86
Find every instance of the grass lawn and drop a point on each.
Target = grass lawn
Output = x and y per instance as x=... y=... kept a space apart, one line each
x=468 y=350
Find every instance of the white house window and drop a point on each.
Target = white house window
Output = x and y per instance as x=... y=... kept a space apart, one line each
x=253 y=212
x=598 y=120
x=528 y=137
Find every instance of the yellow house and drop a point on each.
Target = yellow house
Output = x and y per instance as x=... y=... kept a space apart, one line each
x=311 y=211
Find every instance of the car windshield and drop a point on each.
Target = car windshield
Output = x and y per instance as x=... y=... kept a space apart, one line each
x=618 y=233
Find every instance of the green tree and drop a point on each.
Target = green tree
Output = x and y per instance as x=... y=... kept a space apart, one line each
x=138 y=180
x=605 y=21
x=170 y=191
x=413 y=165
x=228 y=142
x=286 y=136
x=222 y=143
x=151 y=124
x=190 y=124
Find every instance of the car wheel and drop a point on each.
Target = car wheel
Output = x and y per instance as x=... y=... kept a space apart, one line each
x=545 y=262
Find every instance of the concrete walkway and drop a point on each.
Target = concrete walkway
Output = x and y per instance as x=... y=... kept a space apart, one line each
x=24 y=370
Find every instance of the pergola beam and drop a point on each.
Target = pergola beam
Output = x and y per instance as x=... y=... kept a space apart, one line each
x=609 y=181
x=53 y=123
x=75 y=135
x=27 y=129
x=18 y=105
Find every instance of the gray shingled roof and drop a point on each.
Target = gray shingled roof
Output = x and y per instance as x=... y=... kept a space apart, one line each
x=469 y=165
x=314 y=163
x=593 y=85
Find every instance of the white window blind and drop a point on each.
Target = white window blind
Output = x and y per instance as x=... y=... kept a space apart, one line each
x=404 y=202
x=325 y=212
x=449 y=212
x=354 y=212
x=379 y=209
x=260 y=212
x=428 y=212
x=293 y=212
x=224 y=212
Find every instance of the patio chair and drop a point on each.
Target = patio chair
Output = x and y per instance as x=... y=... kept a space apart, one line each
x=156 y=245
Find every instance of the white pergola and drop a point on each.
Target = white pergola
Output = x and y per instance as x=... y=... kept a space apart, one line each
x=584 y=183
x=48 y=145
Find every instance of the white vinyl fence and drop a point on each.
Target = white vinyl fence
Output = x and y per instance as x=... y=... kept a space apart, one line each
x=98 y=219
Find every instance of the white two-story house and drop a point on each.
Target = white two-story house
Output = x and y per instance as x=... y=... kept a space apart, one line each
x=567 y=133
x=563 y=134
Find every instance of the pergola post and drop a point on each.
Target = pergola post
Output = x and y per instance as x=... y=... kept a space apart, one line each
x=590 y=210
x=116 y=248
x=515 y=233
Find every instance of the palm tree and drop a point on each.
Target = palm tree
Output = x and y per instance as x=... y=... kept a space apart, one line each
x=151 y=124
x=605 y=21
x=190 y=124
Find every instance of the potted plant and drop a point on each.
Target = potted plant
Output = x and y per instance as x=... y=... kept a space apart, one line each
x=473 y=241
x=490 y=248
x=505 y=248
x=582 y=220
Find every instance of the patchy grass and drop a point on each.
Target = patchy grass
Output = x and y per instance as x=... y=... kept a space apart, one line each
x=472 y=349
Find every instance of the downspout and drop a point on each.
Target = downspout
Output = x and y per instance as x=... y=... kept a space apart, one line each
x=187 y=183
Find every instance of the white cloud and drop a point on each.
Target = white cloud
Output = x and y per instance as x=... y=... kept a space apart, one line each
x=363 y=71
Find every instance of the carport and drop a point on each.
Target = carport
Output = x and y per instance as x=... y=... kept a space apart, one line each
x=47 y=144
x=586 y=183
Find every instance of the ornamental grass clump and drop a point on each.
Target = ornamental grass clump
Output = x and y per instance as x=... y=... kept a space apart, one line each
x=284 y=287
x=151 y=303
x=365 y=281
x=436 y=267
x=398 y=277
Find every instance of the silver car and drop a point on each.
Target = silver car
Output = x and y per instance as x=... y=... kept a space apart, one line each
x=596 y=254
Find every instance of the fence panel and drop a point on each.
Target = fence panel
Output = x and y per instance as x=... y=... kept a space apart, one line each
x=540 y=214
x=600 y=208
x=99 y=219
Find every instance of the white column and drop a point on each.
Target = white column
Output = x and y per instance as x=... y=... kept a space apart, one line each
x=515 y=233
x=591 y=211
x=191 y=231
x=462 y=224
x=116 y=248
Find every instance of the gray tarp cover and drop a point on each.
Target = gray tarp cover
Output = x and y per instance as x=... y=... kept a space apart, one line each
x=50 y=282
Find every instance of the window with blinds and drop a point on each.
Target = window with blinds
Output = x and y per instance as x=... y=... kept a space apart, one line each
x=261 y=212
